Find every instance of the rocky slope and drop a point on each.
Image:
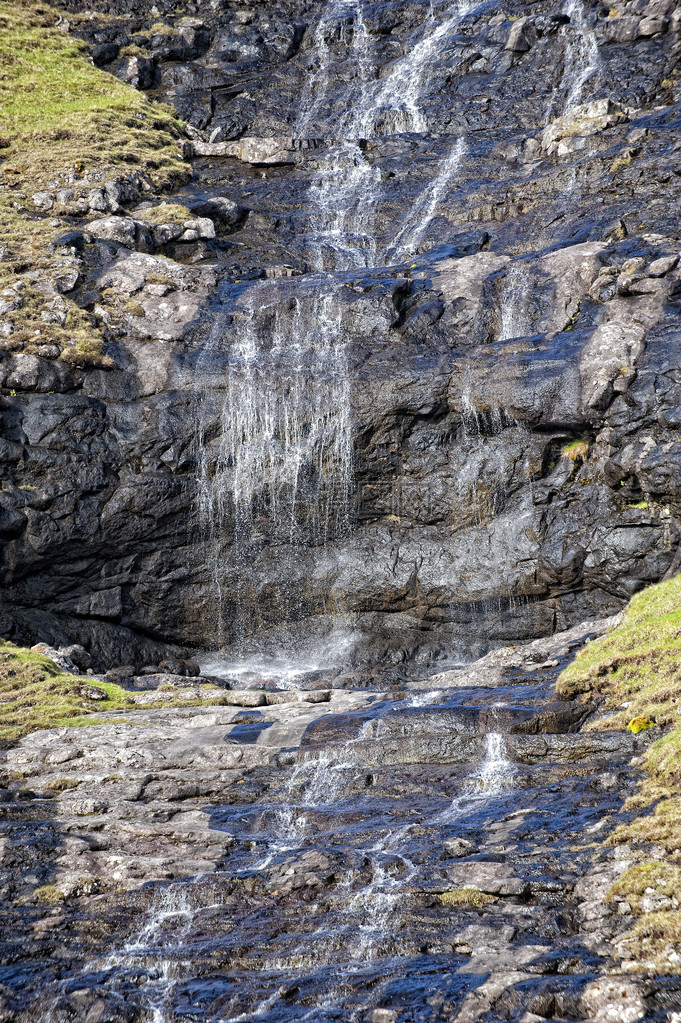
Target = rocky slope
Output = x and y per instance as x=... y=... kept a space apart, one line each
x=443 y=853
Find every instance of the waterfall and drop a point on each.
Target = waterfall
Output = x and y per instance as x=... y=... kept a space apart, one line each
x=280 y=468
x=284 y=446
x=283 y=461
x=491 y=778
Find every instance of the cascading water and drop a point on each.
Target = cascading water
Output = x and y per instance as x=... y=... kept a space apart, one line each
x=515 y=303
x=280 y=469
x=582 y=57
x=345 y=196
x=282 y=466
x=581 y=62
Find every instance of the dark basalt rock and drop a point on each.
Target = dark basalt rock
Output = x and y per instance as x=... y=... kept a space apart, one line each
x=472 y=520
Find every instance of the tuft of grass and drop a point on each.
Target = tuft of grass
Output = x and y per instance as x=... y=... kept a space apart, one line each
x=48 y=894
x=654 y=876
x=167 y=213
x=466 y=897
x=654 y=942
x=576 y=450
x=619 y=162
x=58 y=785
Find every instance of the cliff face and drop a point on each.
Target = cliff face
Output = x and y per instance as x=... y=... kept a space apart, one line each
x=409 y=361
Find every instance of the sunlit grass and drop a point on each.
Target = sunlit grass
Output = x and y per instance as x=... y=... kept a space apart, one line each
x=636 y=671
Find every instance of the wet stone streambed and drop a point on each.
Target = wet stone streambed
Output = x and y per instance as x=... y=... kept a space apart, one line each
x=434 y=853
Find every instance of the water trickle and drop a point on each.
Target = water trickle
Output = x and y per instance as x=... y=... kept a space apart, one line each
x=515 y=303
x=581 y=61
x=423 y=212
x=493 y=777
x=395 y=106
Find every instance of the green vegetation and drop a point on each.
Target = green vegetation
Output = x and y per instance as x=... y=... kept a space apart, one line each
x=466 y=897
x=576 y=451
x=168 y=213
x=48 y=894
x=60 y=112
x=65 y=127
x=35 y=694
x=636 y=672
x=664 y=878
x=62 y=785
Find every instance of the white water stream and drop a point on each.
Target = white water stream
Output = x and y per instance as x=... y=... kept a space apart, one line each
x=281 y=468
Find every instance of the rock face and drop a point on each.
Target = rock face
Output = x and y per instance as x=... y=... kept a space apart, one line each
x=453 y=253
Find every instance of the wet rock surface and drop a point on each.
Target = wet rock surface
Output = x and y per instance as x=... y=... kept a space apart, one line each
x=213 y=863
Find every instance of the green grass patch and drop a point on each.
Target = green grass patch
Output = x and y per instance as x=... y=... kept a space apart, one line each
x=576 y=451
x=59 y=785
x=48 y=895
x=636 y=672
x=654 y=942
x=65 y=124
x=466 y=898
x=167 y=213
x=36 y=694
x=662 y=878
x=58 y=111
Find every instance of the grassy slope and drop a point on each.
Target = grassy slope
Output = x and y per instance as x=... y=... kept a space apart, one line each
x=61 y=117
x=35 y=694
x=636 y=670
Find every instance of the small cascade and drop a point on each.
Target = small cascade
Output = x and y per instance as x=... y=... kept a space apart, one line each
x=423 y=212
x=581 y=61
x=492 y=778
x=343 y=198
x=161 y=940
x=395 y=106
x=515 y=303
x=582 y=57
x=317 y=780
